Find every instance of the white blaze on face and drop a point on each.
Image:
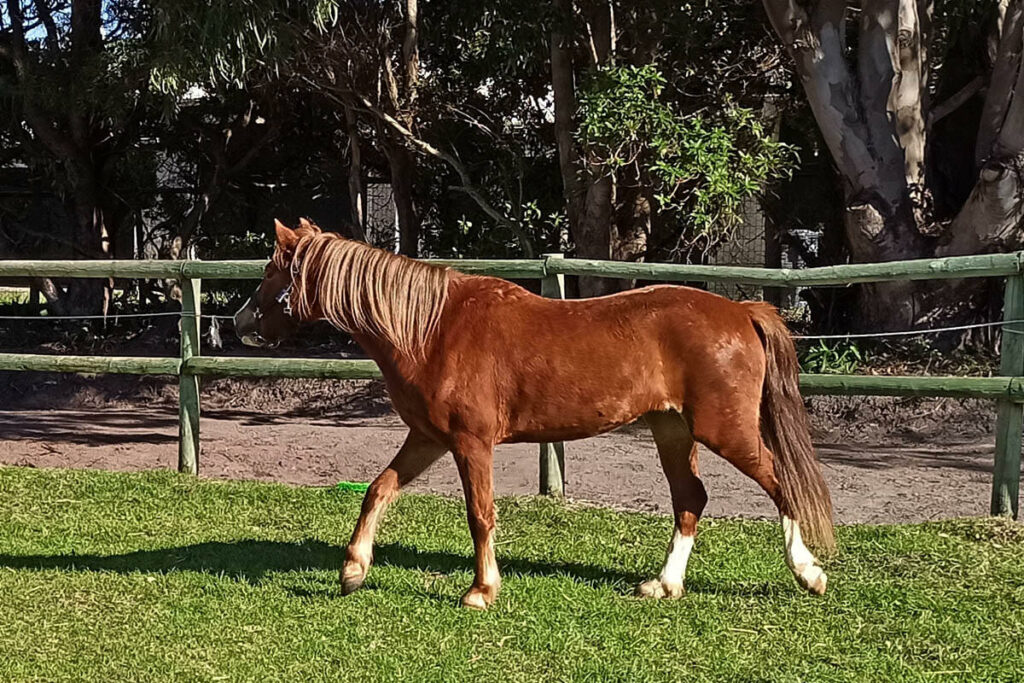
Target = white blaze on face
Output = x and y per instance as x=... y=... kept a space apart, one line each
x=679 y=550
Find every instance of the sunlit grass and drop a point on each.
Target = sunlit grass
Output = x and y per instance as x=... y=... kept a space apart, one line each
x=156 y=576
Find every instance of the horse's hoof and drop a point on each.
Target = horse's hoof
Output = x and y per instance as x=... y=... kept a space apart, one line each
x=352 y=577
x=657 y=589
x=813 y=579
x=478 y=598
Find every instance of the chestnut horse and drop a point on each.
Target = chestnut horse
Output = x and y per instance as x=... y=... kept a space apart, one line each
x=471 y=362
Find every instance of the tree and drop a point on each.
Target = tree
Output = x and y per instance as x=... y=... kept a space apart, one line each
x=918 y=105
x=657 y=166
x=77 y=83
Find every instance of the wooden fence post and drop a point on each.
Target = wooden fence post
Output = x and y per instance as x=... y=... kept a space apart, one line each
x=552 y=455
x=188 y=384
x=1006 y=470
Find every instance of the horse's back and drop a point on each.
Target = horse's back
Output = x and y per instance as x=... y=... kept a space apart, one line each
x=520 y=367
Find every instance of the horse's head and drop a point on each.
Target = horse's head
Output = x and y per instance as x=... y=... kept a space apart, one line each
x=267 y=317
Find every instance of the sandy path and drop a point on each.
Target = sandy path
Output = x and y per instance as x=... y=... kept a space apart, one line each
x=869 y=483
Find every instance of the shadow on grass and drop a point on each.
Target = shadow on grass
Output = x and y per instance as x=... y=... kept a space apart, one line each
x=251 y=560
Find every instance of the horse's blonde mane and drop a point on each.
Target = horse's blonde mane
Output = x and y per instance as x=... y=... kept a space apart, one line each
x=365 y=290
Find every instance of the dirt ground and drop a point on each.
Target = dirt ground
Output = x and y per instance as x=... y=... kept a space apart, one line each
x=886 y=460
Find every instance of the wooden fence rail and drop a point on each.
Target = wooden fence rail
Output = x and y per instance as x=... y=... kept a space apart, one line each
x=1007 y=389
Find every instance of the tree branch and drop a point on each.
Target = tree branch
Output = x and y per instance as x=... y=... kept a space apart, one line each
x=955 y=101
x=356 y=192
x=1001 y=84
x=86 y=42
x=467 y=184
x=46 y=17
x=1010 y=139
x=58 y=144
x=601 y=33
x=410 y=51
x=889 y=76
x=909 y=90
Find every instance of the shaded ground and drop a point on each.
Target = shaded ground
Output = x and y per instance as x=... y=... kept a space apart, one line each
x=886 y=460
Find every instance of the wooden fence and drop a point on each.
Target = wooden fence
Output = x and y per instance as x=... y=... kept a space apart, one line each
x=1007 y=389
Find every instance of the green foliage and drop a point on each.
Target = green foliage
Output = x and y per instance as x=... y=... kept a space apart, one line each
x=702 y=166
x=230 y=42
x=154 y=576
x=840 y=358
x=9 y=296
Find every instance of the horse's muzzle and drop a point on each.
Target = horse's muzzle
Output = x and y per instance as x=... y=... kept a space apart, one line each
x=247 y=324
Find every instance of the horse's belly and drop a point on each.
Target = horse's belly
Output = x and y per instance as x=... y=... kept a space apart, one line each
x=561 y=433
x=570 y=420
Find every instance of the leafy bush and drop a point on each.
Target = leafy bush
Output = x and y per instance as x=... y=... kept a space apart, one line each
x=841 y=358
x=702 y=166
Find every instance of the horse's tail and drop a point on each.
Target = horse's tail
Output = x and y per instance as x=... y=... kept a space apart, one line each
x=784 y=428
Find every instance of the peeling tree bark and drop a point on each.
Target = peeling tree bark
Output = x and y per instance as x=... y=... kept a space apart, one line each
x=992 y=219
x=876 y=123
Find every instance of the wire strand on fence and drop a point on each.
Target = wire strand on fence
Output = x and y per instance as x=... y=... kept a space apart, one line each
x=111 y=316
x=861 y=335
x=911 y=333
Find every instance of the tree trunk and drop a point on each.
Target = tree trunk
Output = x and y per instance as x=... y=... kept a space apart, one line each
x=402 y=167
x=876 y=128
x=51 y=293
x=991 y=218
x=869 y=235
x=593 y=232
x=411 y=52
x=564 y=93
x=631 y=225
x=88 y=296
x=400 y=158
x=594 y=229
x=356 y=192
x=872 y=122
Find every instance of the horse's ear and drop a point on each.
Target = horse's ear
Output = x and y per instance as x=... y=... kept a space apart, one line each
x=286 y=237
x=306 y=224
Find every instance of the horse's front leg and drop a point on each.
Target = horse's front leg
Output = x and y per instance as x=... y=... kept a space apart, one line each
x=416 y=454
x=475 y=462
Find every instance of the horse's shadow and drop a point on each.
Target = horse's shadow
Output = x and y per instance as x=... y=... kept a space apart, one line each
x=251 y=560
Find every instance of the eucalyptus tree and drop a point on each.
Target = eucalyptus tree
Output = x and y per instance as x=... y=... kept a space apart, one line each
x=919 y=104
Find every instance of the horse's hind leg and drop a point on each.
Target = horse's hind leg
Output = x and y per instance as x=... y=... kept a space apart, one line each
x=416 y=454
x=740 y=443
x=678 y=453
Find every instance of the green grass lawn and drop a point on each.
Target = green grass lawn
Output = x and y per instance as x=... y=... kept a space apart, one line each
x=156 y=576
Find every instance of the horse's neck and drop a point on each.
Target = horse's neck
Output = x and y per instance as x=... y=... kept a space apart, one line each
x=392 y=363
